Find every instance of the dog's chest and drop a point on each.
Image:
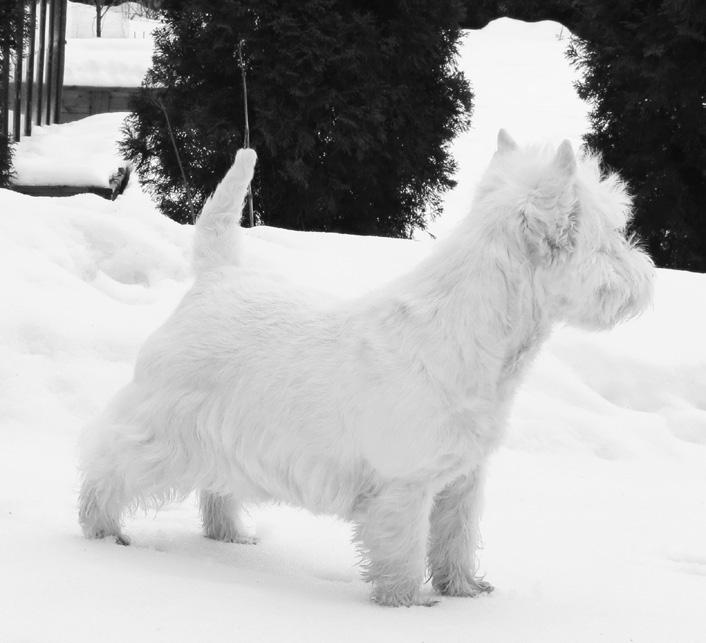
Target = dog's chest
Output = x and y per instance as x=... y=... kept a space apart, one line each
x=453 y=439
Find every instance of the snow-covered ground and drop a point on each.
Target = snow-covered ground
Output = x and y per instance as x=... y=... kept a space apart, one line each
x=595 y=520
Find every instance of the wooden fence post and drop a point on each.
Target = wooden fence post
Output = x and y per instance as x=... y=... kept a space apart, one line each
x=31 y=67
x=36 y=61
x=51 y=62
x=17 y=75
x=41 y=58
x=61 y=48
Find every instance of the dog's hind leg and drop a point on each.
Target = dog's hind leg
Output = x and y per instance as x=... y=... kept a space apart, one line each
x=101 y=505
x=455 y=537
x=119 y=480
x=221 y=520
x=123 y=463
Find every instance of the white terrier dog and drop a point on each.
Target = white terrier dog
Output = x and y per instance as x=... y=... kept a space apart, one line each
x=382 y=409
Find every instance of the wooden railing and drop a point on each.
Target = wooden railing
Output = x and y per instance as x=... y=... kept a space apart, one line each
x=30 y=88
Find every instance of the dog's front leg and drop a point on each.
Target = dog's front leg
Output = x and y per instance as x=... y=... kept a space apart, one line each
x=455 y=537
x=391 y=535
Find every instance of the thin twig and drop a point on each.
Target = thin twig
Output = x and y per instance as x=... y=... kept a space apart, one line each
x=178 y=158
x=246 y=134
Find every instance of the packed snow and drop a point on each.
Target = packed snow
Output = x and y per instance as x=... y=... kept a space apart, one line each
x=595 y=518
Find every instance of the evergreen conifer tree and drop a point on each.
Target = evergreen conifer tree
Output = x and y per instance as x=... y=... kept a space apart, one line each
x=644 y=70
x=353 y=104
x=9 y=19
x=5 y=161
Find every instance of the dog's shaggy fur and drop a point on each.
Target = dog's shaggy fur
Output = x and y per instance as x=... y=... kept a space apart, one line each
x=382 y=409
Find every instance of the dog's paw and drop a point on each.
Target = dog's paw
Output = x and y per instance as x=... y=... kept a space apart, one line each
x=98 y=533
x=396 y=601
x=484 y=586
x=463 y=587
x=241 y=539
x=122 y=539
x=399 y=596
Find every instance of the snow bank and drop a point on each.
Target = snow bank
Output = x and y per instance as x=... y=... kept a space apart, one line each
x=595 y=520
x=81 y=153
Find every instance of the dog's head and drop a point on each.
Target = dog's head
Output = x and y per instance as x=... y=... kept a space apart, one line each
x=568 y=219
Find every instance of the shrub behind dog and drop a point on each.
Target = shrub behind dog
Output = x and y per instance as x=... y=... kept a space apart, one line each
x=352 y=107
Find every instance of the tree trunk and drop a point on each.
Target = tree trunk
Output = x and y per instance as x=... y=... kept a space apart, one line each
x=99 y=8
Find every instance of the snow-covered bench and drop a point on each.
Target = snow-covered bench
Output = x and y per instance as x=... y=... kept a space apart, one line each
x=73 y=158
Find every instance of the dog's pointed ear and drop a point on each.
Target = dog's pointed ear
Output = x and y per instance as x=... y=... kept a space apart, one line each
x=550 y=217
x=565 y=159
x=505 y=142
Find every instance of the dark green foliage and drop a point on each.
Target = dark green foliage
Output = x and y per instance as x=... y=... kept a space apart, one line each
x=567 y=12
x=9 y=19
x=352 y=106
x=5 y=161
x=644 y=68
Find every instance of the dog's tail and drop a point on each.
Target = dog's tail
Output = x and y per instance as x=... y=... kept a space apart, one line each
x=217 y=230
